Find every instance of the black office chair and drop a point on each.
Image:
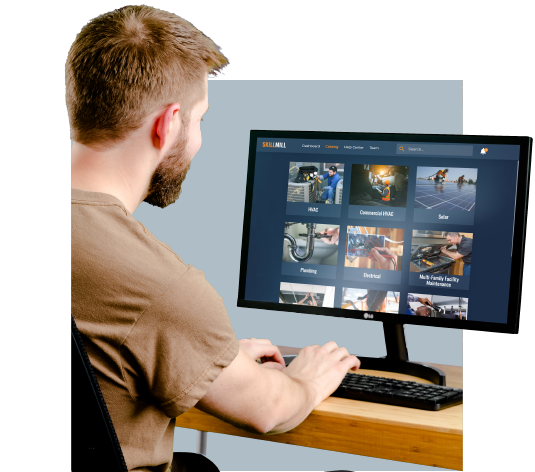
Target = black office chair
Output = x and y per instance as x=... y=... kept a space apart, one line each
x=94 y=443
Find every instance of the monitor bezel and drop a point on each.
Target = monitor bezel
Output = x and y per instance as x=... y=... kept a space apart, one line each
x=519 y=236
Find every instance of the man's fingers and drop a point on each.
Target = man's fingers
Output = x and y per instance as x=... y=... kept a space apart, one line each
x=269 y=351
x=341 y=353
x=330 y=346
x=377 y=254
x=351 y=363
x=261 y=348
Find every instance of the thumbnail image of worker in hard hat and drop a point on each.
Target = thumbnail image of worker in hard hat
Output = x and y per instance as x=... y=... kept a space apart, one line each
x=379 y=185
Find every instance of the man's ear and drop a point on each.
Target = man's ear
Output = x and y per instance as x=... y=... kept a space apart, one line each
x=165 y=125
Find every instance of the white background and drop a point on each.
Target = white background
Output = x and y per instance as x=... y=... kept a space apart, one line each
x=487 y=45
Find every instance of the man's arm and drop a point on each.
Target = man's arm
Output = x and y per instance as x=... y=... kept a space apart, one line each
x=454 y=255
x=266 y=400
x=335 y=181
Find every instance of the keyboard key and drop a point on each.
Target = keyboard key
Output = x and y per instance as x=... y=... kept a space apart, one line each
x=438 y=398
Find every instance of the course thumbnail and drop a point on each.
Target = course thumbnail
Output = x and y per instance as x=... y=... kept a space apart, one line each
x=362 y=299
x=310 y=243
x=306 y=294
x=443 y=188
x=437 y=306
x=441 y=252
x=379 y=185
x=374 y=248
x=315 y=182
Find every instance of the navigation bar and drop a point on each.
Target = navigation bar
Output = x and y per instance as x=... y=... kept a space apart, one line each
x=388 y=148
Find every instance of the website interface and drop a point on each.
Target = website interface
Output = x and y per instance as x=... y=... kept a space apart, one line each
x=417 y=229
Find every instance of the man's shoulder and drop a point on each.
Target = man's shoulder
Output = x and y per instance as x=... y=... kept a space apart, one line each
x=108 y=242
x=466 y=240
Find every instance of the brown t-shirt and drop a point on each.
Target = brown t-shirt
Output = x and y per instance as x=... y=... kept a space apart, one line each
x=156 y=332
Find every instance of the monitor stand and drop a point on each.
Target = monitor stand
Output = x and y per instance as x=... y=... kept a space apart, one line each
x=397 y=358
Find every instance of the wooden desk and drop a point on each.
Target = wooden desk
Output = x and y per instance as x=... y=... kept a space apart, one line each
x=433 y=438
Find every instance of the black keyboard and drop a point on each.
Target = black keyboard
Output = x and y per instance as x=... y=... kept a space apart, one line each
x=398 y=392
x=395 y=392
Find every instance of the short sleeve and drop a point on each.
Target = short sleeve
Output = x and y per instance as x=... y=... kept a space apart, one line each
x=180 y=344
x=465 y=248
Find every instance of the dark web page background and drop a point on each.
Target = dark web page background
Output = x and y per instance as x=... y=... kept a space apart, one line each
x=488 y=293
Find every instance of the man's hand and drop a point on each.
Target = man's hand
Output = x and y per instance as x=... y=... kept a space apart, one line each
x=425 y=301
x=383 y=263
x=335 y=234
x=321 y=369
x=262 y=349
x=443 y=249
x=268 y=400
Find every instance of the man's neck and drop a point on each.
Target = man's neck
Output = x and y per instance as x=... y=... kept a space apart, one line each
x=121 y=172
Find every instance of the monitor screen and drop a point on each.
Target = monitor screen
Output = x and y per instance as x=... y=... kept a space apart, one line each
x=404 y=228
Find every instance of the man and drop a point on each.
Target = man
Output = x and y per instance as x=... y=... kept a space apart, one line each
x=385 y=194
x=423 y=310
x=156 y=331
x=464 y=250
x=441 y=175
x=462 y=180
x=332 y=180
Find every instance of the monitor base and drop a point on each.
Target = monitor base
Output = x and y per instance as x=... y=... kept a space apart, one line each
x=415 y=369
x=397 y=358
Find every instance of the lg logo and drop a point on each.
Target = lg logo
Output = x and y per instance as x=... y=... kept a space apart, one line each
x=368 y=316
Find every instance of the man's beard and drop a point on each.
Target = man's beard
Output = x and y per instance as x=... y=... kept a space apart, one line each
x=166 y=182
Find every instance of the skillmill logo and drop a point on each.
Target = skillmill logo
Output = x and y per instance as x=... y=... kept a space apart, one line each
x=274 y=145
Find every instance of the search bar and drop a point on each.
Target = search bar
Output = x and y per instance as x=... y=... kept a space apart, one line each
x=434 y=149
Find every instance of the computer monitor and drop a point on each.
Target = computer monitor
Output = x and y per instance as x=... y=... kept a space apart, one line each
x=397 y=228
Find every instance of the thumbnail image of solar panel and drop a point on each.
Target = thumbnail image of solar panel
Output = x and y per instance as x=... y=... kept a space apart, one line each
x=445 y=195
